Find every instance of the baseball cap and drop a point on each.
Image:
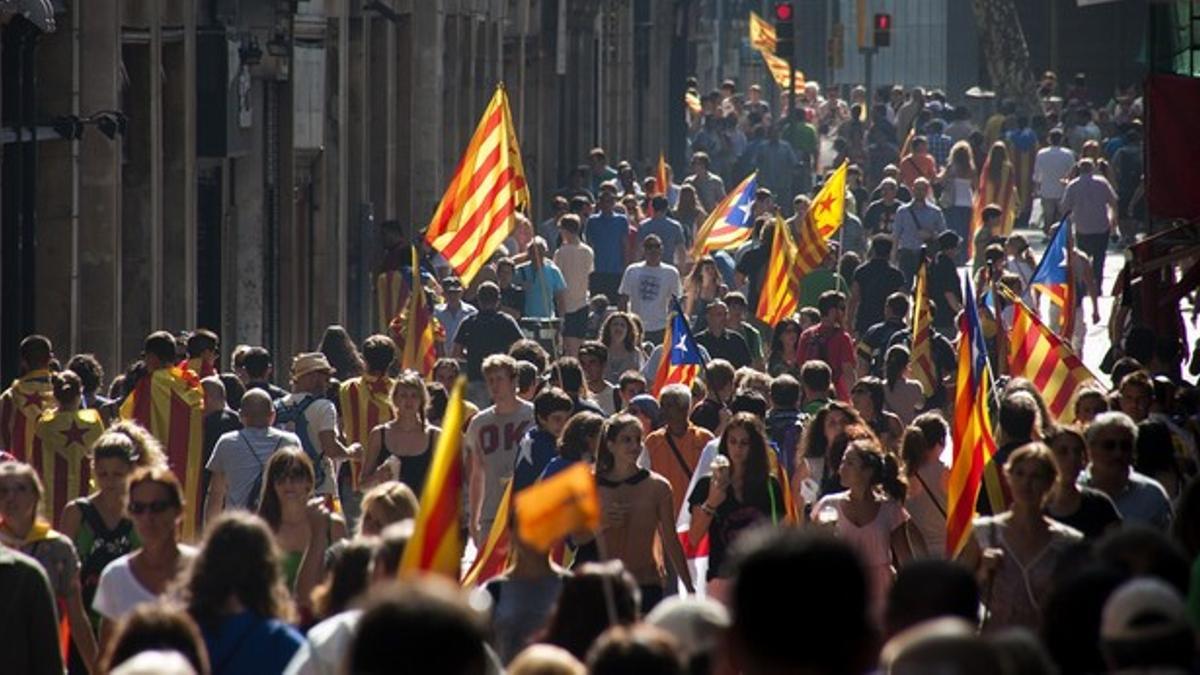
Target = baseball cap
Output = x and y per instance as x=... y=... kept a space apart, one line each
x=1143 y=608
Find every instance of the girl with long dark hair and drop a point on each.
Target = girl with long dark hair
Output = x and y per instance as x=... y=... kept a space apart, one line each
x=902 y=394
x=622 y=336
x=785 y=342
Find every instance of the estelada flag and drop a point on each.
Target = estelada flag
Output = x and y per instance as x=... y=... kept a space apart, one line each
x=762 y=34
x=730 y=223
x=21 y=405
x=62 y=448
x=681 y=359
x=558 y=506
x=1055 y=277
x=169 y=403
x=436 y=545
x=478 y=210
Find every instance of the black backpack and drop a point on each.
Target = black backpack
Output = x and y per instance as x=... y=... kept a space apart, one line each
x=256 y=487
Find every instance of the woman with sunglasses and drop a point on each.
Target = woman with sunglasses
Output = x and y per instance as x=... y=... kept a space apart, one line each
x=303 y=527
x=20 y=497
x=156 y=509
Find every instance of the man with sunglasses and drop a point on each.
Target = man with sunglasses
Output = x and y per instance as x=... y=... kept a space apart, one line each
x=1111 y=438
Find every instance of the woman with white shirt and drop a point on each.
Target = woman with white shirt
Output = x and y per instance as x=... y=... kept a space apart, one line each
x=156 y=508
x=958 y=179
x=921 y=448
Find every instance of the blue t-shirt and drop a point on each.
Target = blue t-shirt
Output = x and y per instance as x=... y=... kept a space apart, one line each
x=248 y=643
x=540 y=287
x=607 y=235
x=534 y=453
x=667 y=229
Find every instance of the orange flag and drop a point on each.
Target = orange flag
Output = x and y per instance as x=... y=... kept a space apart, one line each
x=552 y=509
x=436 y=545
x=62 y=456
x=170 y=404
x=21 y=405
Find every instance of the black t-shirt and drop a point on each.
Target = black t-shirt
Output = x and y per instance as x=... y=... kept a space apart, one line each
x=1095 y=515
x=729 y=346
x=943 y=278
x=878 y=217
x=876 y=279
x=513 y=297
x=753 y=264
x=483 y=334
x=732 y=518
x=876 y=341
x=706 y=414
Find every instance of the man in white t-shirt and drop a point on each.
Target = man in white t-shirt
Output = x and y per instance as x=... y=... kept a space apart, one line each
x=1050 y=168
x=576 y=261
x=240 y=457
x=313 y=418
x=647 y=287
x=492 y=440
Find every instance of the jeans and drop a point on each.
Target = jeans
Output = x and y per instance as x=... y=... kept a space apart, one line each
x=1096 y=246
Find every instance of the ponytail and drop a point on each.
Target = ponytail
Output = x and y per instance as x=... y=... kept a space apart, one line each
x=891 y=481
x=895 y=361
x=68 y=388
x=913 y=448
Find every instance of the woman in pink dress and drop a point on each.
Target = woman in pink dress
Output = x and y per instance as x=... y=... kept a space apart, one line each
x=870 y=514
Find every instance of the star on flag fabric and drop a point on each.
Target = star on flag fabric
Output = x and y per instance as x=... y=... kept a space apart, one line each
x=974 y=445
x=62 y=456
x=21 y=405
x=1054 y=276
x=762 y=34
x=681 y=357
x=730 y=223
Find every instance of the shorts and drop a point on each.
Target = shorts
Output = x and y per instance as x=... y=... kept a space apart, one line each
x=575 y=323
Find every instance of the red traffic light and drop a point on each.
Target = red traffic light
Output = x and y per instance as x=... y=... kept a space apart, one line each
x=883 y=22
x=783 y=12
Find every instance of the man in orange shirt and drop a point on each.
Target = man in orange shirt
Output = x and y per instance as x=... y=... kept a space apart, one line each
x=675 y=448
x=918 y=163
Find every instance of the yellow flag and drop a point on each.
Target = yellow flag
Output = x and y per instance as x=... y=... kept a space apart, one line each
x=762 y=34
x=823 y=219
x=552 y=509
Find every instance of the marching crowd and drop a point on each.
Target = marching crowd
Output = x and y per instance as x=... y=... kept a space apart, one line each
x=781 y=508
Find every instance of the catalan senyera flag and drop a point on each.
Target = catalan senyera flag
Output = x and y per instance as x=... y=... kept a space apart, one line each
x=1002 y=192
x=478 y=210
x=681 y=358
x=781 y=285
x=1045 y=359
x=781 y=71
x=169 y=403
x=821 y=222
x=921 y=321
x=436 y=545
x=1055 y=277
x=62 y=448
x=551 y=509
x=413 y=329
x=492 y=559
x=21 y=406
x=366 y=402
x=391 y=296
x=730 y=222
x=974 y=444
x=762 y=34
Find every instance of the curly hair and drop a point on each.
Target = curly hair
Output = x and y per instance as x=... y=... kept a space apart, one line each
x=633 y=336
x=239 y=560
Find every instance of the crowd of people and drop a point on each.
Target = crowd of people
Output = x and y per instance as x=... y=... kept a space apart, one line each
x=784 y=511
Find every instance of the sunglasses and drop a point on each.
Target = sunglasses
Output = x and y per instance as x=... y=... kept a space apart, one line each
x=154 y=507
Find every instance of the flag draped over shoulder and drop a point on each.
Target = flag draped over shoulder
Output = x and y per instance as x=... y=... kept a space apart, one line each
x=762 y=34
x=558 y=506
x=436 y=544
x=1000 y=191
x=21 y=405
x=921 y=321
x=169 y=403
x=1055 y=277
x=365 y=403
x=972 y=429
x=414 y=328
x=681 y=359
x=730 y=223
x=62 y=456
x=478 y=210
x=1045 y=359
x=391 y=296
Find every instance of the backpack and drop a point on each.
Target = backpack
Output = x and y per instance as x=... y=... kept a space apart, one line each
x=293 y=414
x=256 y=486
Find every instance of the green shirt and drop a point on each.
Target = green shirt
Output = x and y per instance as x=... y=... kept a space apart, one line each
x=817 y=282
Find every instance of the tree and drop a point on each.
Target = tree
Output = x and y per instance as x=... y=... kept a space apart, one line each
x=1003 y=45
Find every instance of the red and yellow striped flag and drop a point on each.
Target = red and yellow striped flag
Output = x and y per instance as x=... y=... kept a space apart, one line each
x=478 y=210
x=436 y=544
x=366 y=402
x=762 y=34
x=492 y=559
x=391 y=295
x=660 y=175
x=781 y=286
x=824 y=218
x=1039 y=355
x=414 y=328
x=973 y=441
x=169 y=403
x=62 y=456
x=21 y=405
x=921 y=321
x=781 y=71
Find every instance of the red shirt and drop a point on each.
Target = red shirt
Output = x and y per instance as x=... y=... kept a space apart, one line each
x=833 y=346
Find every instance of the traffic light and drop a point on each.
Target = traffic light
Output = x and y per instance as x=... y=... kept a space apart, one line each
x=883 y=30
x=785 y=22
